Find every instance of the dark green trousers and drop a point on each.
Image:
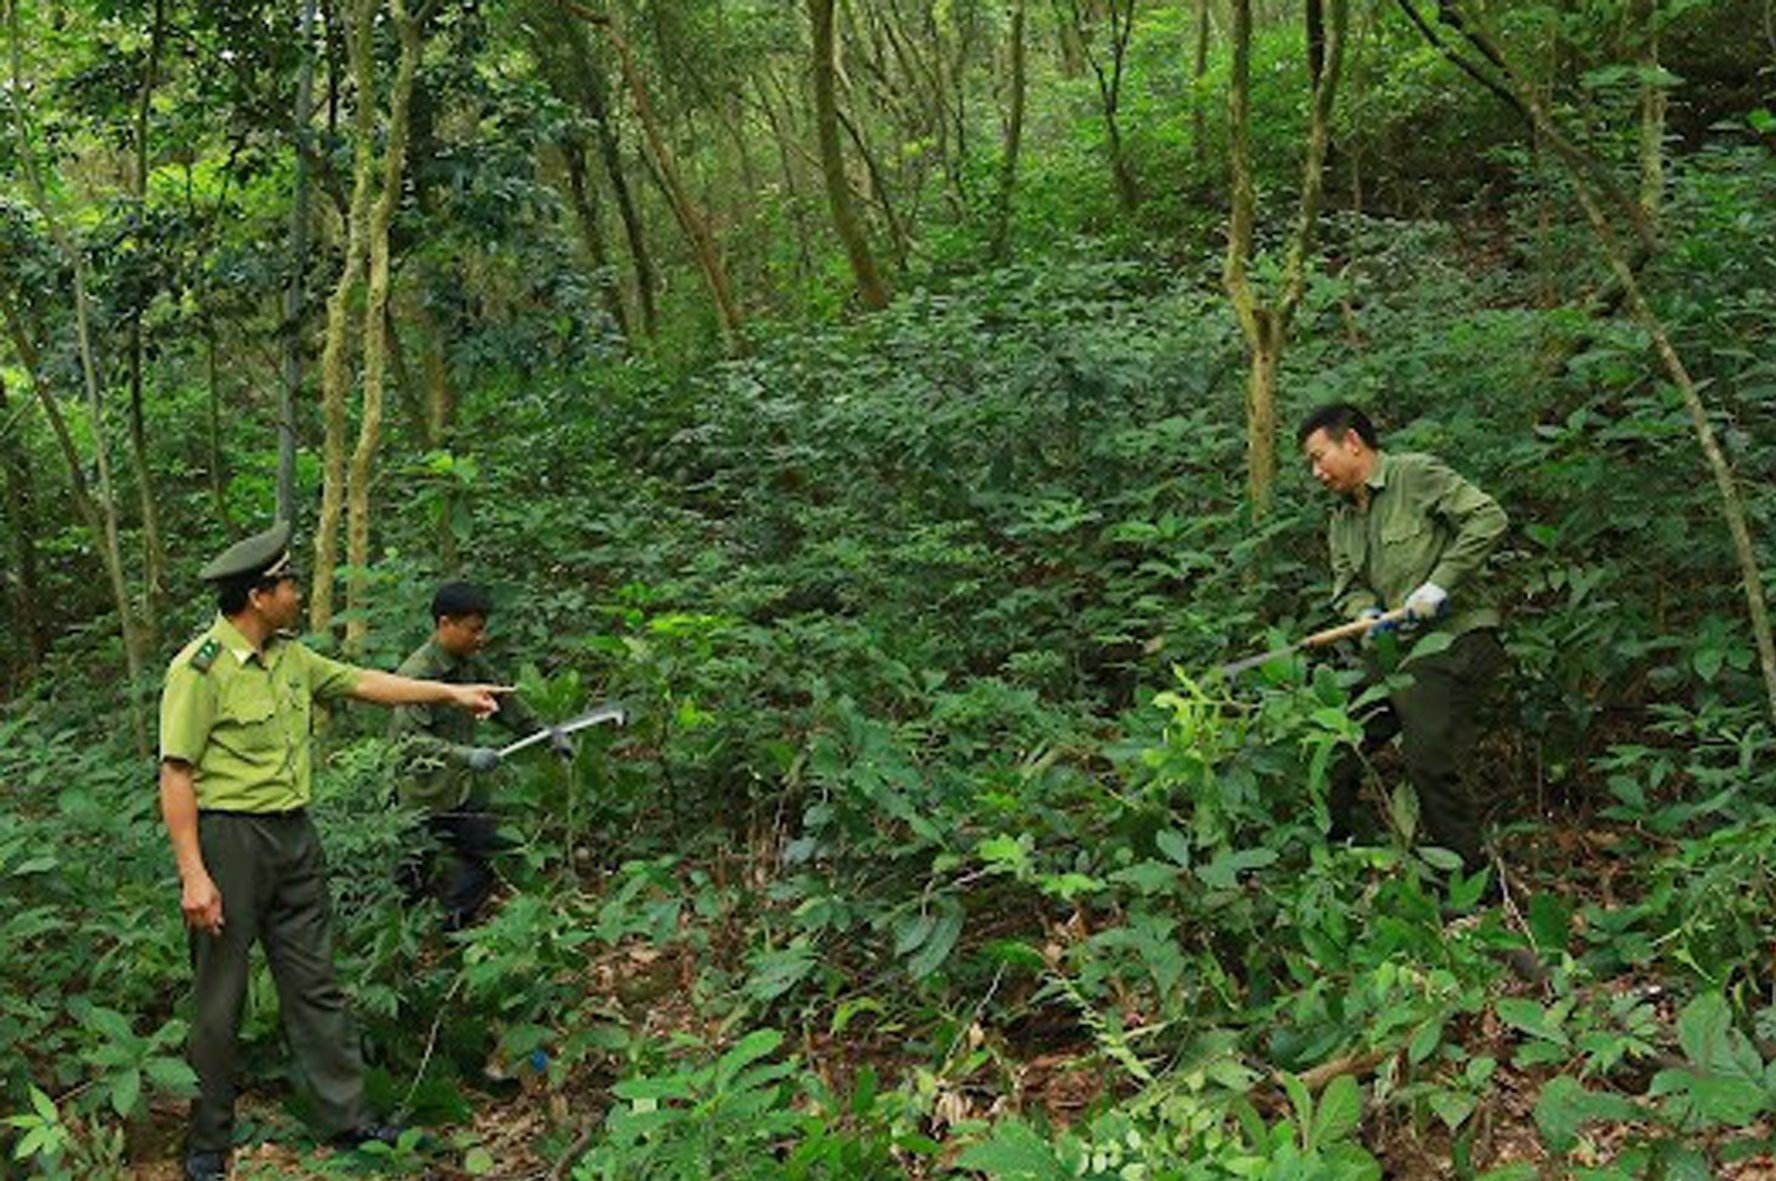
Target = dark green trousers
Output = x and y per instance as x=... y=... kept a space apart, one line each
x=1438 y=719
x=273 y=880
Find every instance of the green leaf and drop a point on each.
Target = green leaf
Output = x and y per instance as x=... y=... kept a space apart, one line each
x=126 y=1090
x=749 y=1049
x=938 y=945
x=1015 y=1153
x=45 y=1106
x=1706 y=1033
x=1339 y=1113
x=1452 y=1107
x=1425 y=1042
x=171 y=1075
x=1565 y=1106
x=1531 y=1018
x=654 y=1089
x=1222 y=873
x=477 y=1162
x=1517 y=1172
x=1175 y=845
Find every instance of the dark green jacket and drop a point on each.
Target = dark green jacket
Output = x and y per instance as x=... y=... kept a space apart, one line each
x=1423 y=523
x=433 y=741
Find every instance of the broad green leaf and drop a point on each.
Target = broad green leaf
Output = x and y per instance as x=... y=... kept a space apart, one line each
x=937 y=946
x=126 y=1089
x=1015 y=1153
x=749 y=1049
x=1339 y=1112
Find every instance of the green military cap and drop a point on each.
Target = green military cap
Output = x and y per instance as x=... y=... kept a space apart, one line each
x=266 y=554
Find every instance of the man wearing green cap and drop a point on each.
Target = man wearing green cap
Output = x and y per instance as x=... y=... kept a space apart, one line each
x=236 y=716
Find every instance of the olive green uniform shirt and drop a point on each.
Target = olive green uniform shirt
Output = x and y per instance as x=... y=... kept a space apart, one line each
x=434 y=741
x=1423 y=523
x=244 y=718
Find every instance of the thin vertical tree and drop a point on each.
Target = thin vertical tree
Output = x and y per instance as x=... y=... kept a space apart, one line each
x=1265 y=325
x=99 y=511
x=870 y=288
x=1608 y=207
x=336 y=354
x=999 y=245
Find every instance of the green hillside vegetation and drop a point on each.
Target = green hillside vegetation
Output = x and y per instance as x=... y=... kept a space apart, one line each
x=935 y=846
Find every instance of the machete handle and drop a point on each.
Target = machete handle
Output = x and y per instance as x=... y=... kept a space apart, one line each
x=1355 y=627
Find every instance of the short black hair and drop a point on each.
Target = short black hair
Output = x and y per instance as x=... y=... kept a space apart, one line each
x=232 y=593
x=1338 y=419
x=456 y=600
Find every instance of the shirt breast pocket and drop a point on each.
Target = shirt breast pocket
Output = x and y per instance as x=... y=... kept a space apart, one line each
x=253 y=718
x=1410 y=545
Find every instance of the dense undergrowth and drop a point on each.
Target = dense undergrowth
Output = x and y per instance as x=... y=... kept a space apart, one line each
x=935 y=849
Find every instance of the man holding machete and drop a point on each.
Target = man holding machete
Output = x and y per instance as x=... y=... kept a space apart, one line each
x=1411 y=536
x=441 y=760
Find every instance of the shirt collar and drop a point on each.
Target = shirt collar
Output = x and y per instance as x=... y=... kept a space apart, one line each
x=442 y=658
x=1378 y=478
x=240 y=646
x=234 y=641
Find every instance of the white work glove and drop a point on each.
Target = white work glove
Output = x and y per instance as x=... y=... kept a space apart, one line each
x=1426 y=602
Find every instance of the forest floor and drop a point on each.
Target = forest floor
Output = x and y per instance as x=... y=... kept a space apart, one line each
x=1051 y=1067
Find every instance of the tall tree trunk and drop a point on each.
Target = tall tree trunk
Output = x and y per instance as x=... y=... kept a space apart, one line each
x=382 y=215
x=1121 y=16
x=691 y=218
x=1266 y=326
x=100 y=516
x=99 y=519
x=21 y=518
x=585 y=204
x=1653 y=101
x=884 y=199
x=217 y=465
x=782 y=136
x=296 y=292
x=832 y=160
x=336 y=356
x=1199 y=68
x=1600 y=203
x=153 y=548
x=440 y=426
x=999 y=247
x=576 y=73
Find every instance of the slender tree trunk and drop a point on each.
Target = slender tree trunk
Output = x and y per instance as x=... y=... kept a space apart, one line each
x=999 y=248
x=870 y=288
x=1266 y=326
x=440 y=427
x=879 y=190
x=21 y=517
x=296 y=293
x=217 y=465
x=1599 y=203
x=691 y=218
x=1121 y=17
x=1653 y=102
x=382 y=215
x=335 y=358
x=782 y=137
x=585 y=204
x=101 y=517
x=585 y=83
x=1199 y=68
x=1071 y=43
x=153 y=548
